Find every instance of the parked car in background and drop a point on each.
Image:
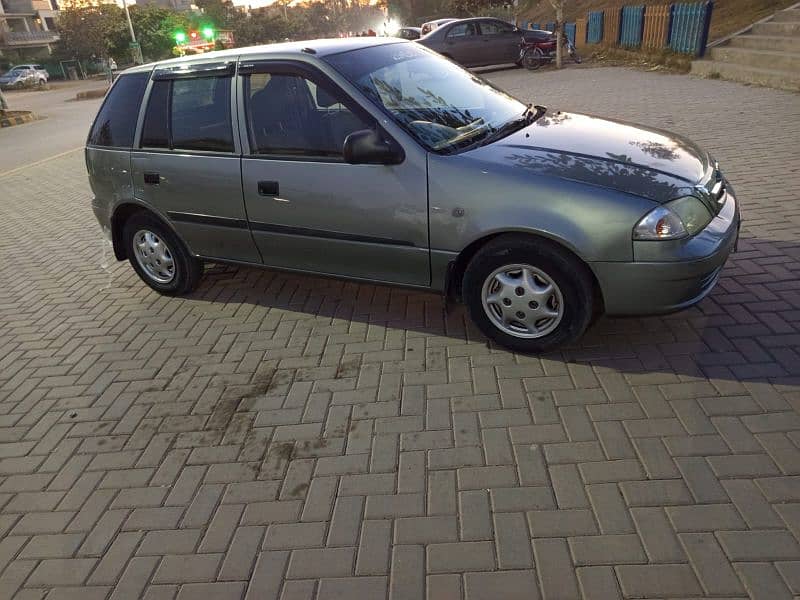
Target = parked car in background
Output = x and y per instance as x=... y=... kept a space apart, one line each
x=409 y=33
x=378 y=160
x=477 y=42
x=24 y=76
x=431 y=25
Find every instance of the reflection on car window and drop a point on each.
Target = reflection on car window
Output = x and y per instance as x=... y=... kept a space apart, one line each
x=462 y=30
x=495 y=27
x=292 y=115
x=201 y=115
x=442 y=105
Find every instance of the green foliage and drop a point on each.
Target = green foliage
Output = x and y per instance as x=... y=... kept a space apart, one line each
x=97 y=32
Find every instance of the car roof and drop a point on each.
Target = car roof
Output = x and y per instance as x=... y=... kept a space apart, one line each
x=445 y=20
x=320 y=47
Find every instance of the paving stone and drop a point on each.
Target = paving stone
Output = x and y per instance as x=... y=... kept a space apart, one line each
x=407 y=581
x=510 y=585
x=704 y=517
x=352 y=587
x=657 y=535
x=187 y=568
x=561 y=523
x=763 y=581
x=759 y=545
x=555 y=569
x=599 y=583
x=322 y=562
x=658 y=581
x=607 y=550
x=460 y=556
x=424 y=530
x=61 y=571
x=284 y=536
x=711 y=565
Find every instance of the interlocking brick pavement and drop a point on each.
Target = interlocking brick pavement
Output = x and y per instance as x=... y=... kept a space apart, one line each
x=284 y=436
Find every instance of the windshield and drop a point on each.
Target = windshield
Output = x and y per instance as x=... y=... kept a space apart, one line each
x=442 y=105
x=18 y=71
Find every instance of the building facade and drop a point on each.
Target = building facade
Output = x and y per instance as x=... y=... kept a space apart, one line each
x=27 y=29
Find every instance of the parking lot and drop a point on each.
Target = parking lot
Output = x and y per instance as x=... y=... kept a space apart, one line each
x=285 y=436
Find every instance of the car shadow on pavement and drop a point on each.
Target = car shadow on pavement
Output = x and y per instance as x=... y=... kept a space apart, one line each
x=746 y=330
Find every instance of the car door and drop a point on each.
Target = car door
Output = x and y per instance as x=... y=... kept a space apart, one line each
x=463 y=44
x=186 y=160
x=309 y=209
x=501 y=41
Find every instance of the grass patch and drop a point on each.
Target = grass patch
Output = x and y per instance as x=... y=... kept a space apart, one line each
x=648 y=60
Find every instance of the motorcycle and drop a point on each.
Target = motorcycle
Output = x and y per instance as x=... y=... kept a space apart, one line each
x=536 y=52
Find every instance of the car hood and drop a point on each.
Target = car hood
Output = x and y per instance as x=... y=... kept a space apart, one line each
x=9 y=77
x=647 y=162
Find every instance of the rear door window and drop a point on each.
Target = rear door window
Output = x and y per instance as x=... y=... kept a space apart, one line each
x=189 y=114
x=115 y=124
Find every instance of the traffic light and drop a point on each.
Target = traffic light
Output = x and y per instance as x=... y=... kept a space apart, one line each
x=208 y=33
x=180 y=37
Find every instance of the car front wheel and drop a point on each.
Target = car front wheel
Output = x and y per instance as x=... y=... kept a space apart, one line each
x=528 y=294
x=160 y=259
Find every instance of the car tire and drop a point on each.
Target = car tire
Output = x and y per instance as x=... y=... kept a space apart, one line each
x=159 y=257
x=528 y=294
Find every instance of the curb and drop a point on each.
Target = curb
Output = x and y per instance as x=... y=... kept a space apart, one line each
x=9 y=118
x=89 y=94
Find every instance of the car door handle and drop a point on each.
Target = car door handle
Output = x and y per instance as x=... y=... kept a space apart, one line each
x=151 y=178
x=268 y=188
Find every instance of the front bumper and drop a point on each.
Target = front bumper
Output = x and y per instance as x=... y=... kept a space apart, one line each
x=670 y=276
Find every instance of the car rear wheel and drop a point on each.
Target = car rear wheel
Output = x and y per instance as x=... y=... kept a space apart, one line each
x=527 y=294
x=160 y=259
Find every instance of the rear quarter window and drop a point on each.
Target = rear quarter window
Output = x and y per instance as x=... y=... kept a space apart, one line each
x=115 y=124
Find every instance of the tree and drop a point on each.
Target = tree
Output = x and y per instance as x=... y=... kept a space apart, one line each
x=559 y=6
x=3 y=103
x=89 y=32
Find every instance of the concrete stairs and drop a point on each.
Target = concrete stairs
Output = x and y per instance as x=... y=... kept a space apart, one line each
x=766 y=53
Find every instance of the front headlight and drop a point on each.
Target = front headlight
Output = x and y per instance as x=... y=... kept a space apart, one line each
x=676 y=219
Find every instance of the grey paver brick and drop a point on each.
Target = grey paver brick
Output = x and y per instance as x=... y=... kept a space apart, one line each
x=374 y=547
x=346 y=520
x=444 y=587
x=759 y=545
x=322 y=562
x=607 y=550
x=61 y=571
x=212 y=591
x=511 y=585
x=657 y=581
x=513 y=543
x=658 y=537
x=711 y=565
x=342 y=588
x=460 y=556
x=474 y=516
x=407 y=580
x=555 y=569
x=598 y=582
x=704 y=517
x=423 y=530
x=134 y=578
x=284 y=536
x=763 y=581
x=183 y=568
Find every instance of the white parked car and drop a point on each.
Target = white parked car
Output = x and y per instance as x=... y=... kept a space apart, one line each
x=24 y=75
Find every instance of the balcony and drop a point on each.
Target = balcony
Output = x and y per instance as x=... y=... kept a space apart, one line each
x=30 y=38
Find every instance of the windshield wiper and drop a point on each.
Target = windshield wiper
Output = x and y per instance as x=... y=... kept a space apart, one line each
x=531 y=113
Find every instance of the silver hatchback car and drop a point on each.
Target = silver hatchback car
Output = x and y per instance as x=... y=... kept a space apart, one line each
x=379 y=160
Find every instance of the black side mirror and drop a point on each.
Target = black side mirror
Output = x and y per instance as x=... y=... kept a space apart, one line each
x=371 y=147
